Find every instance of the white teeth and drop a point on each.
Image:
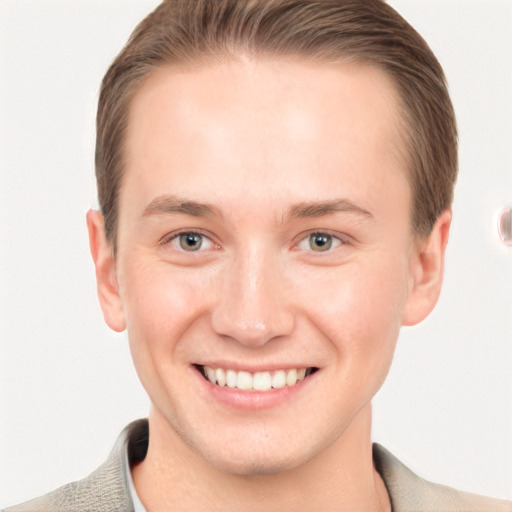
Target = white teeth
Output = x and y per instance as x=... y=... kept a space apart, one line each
x=220 y=377
x=291 y=377
x=244 y=381
x=259 y=381
x=262 y=381
x=210 y=373
x=231 y=379
x=279 y=379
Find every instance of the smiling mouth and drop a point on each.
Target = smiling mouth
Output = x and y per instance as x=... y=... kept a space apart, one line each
x=257 y=381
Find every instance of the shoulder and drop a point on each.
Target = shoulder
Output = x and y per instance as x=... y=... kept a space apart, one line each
x=409 y=492
x=104 y=490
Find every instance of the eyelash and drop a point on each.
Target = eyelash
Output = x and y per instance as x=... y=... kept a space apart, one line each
x=174 y=238
x=336 y=240
x=333 y=239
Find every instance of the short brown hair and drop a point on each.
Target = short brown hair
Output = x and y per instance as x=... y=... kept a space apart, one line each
x=368 y=31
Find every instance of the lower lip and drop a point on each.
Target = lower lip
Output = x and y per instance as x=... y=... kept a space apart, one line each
x=251 y=400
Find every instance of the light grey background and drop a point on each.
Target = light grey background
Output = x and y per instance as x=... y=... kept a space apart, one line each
x=67 y=386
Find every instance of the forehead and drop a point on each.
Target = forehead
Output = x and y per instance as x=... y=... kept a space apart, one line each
x=247 y=123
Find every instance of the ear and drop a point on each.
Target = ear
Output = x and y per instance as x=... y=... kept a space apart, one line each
x=106 y=280
x=426 y=268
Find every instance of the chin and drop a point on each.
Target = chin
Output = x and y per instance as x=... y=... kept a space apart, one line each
x=256 y=463
x=263 y=454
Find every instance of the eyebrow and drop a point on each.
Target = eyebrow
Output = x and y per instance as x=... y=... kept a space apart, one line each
x=172 y=204
x=321 y=208
x=169 y=204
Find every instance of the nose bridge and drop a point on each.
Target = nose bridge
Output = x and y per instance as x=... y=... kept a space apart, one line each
x=252 y=307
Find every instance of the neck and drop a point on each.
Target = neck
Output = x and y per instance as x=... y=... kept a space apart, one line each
x=342 y=477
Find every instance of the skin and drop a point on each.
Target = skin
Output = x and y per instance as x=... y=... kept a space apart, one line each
x=271 y=151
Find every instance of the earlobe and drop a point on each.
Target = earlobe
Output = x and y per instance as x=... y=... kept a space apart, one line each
x=426 y=272
x=106 y=281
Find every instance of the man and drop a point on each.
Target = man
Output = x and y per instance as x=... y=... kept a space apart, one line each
x=275 y=180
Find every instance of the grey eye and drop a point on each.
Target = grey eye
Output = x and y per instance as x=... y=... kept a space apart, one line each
x=320 y=242
x=190 y=241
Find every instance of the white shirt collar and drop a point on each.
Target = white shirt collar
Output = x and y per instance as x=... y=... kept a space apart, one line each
x=137 y=504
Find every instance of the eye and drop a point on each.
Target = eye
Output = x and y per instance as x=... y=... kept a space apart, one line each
x=191 y=241
x=319 y=242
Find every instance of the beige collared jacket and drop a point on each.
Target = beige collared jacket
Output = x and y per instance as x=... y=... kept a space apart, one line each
x=107 y=489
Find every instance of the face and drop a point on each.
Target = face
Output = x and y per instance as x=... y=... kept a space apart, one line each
x=264 y=254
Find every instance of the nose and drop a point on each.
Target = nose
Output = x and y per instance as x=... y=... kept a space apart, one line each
x=253 y=305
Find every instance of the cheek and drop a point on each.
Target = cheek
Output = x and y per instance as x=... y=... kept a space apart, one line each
x=161 y=302
x=358 y=308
